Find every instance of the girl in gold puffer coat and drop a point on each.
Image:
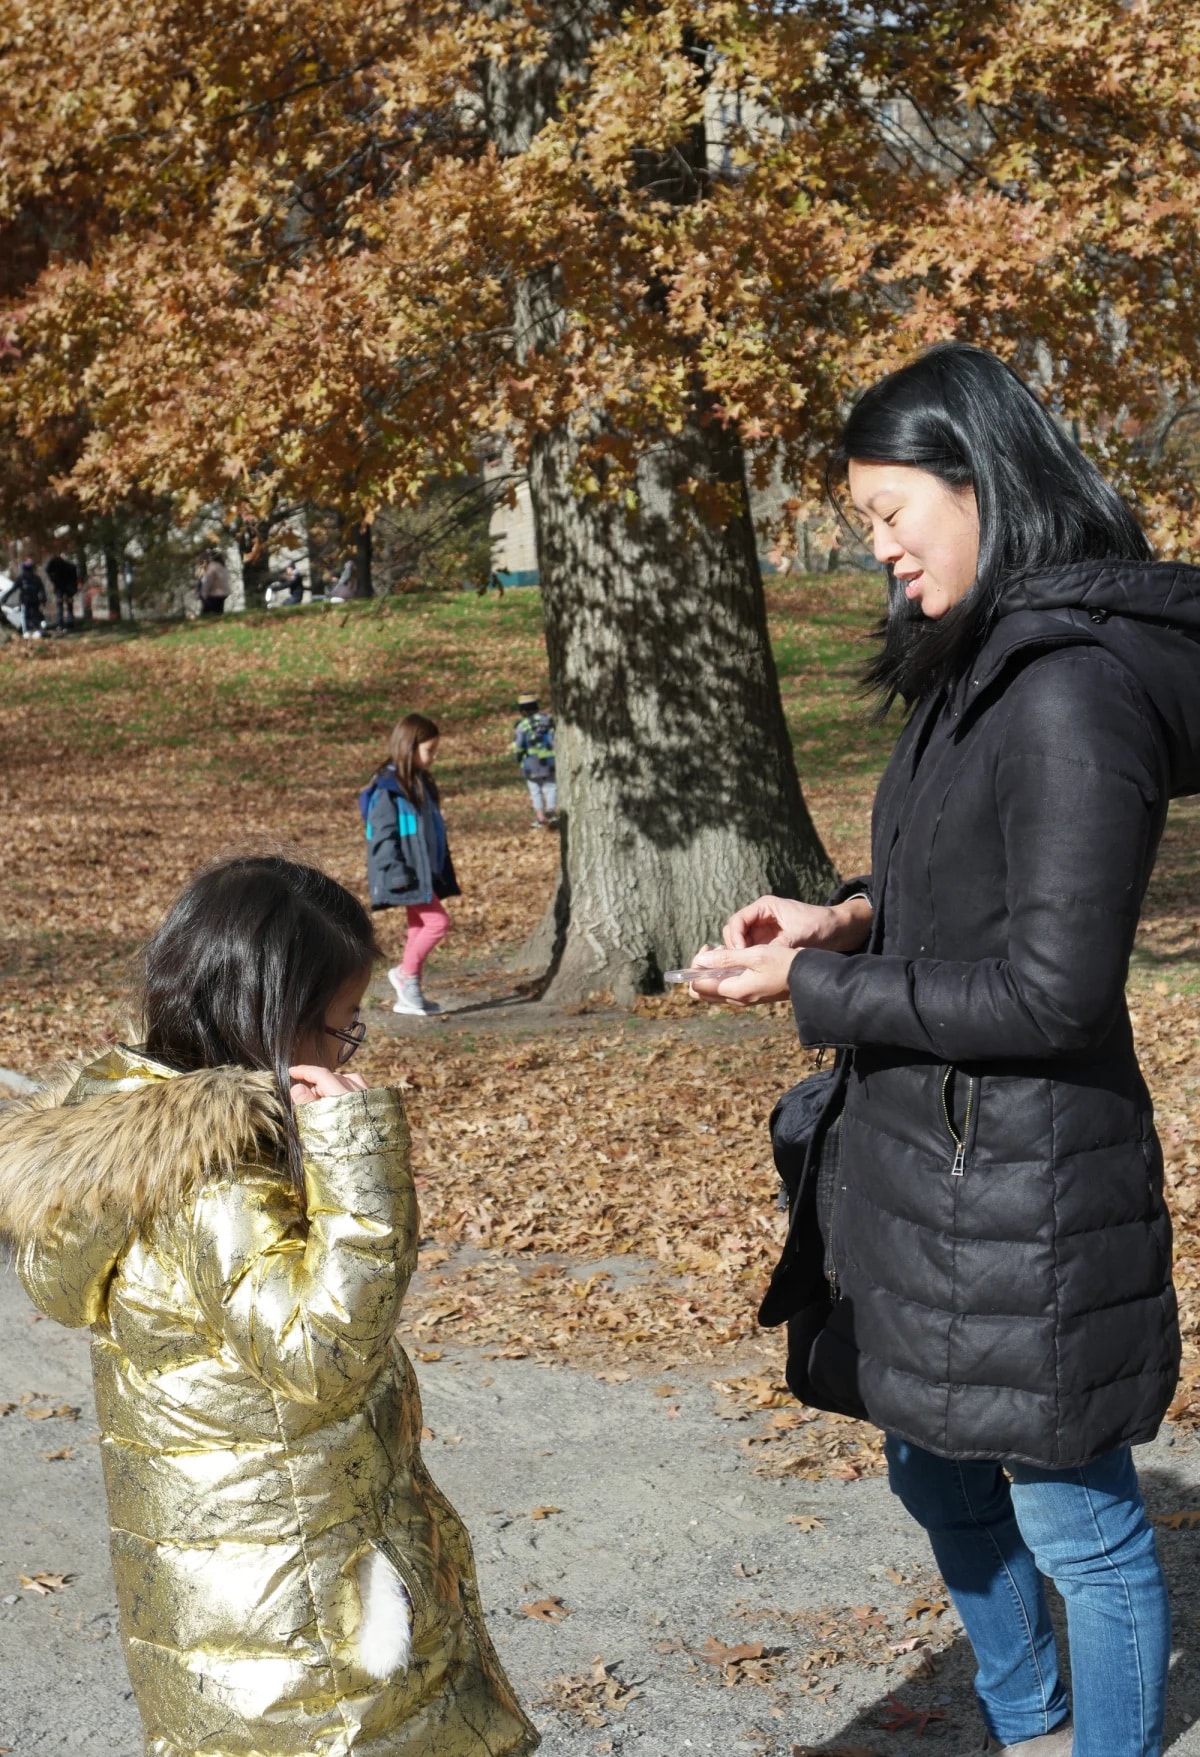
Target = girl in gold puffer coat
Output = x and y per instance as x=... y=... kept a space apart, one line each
x=235 y=1219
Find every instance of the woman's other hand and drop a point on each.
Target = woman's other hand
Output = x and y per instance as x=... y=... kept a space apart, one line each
x=764 y=974
x=780 y=921
x=309 y=1082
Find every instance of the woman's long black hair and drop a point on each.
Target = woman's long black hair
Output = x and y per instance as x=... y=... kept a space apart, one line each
x=968 y=419
x=245 y=965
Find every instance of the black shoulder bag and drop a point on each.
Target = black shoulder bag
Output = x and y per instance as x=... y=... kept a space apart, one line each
x=822 y=1360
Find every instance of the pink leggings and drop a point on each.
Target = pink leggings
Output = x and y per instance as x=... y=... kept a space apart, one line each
x=428 y=925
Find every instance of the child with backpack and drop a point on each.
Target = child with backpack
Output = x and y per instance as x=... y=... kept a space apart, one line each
x=233 y=1214
x=533 y=747
x=408 y=858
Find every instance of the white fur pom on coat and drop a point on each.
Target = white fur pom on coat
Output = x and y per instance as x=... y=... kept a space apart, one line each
x=383 y=1642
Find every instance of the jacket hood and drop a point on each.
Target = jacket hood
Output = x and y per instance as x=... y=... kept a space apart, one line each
x=1146 y=614
x=127 y=1134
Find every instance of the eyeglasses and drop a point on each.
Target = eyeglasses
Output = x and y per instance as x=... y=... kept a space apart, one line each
x=348 y=1040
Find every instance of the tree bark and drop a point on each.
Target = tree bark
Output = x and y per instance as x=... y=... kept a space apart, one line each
x=678 y=793
x=81 y=566
x=255 y=556
x=363 y=556
x=112 y=581
x=679 y=798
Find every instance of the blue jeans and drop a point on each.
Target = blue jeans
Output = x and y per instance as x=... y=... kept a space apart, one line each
x=1087 y=1531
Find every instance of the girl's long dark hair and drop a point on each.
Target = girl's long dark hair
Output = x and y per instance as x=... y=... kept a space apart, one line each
x=968 y=419
x=243 y=969
x=407 y=734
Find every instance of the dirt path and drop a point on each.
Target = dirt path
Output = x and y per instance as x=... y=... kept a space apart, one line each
x=701 y=1606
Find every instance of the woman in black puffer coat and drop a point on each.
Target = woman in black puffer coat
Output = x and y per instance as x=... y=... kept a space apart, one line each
x=980 y=1257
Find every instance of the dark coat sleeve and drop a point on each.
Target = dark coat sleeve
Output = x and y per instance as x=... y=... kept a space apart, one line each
x=1079 y=793
x=854 y=887
x=393 y=873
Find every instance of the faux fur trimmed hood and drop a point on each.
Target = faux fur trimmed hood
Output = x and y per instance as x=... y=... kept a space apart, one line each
x=129 y=1136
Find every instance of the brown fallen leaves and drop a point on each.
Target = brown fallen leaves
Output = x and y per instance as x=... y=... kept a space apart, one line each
x=821 y=1641
x=44 y=1584
x=546 y=1610
x=87 y=884
x=747 y=1662
x=599 y=1192
x=590 y=1697
x=750 y=1662
x=41 y=1406
x=630 y=1173
x=792 y=1441
x=866 y=1636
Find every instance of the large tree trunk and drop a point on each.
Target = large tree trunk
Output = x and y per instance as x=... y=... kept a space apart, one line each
x=112 y=582
x=678 y=792
x=255 y=556
x=364 y=585
x=678 y=789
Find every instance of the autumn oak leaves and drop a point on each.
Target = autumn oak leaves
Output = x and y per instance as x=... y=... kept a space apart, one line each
x=255 y=252
x=255 y=257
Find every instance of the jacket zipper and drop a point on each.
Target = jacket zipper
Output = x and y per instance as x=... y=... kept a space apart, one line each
x=958 y=1164
x=831 y=1275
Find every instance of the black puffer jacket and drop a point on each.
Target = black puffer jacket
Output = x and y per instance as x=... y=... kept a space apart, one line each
x=998 y=1230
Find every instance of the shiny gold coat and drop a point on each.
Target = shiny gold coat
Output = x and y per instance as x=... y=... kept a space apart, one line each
x=289 y=1579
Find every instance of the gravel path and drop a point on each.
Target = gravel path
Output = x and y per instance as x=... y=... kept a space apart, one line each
x=691 y=1616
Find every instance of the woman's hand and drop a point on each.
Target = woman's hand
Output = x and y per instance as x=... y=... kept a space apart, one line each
x=763 y=939
x=764 y=974
x=779 y=921
x=309 y=1082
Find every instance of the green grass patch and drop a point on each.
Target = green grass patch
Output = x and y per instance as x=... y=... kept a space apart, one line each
x=304 y=697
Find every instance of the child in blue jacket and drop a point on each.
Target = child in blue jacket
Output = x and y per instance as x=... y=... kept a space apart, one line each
x=408 y=857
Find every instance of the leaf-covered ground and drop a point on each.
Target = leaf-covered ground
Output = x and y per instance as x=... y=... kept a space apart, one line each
x=595 y=1185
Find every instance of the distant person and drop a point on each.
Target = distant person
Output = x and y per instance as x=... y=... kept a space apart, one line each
x=347 y=581
x=31 y=590
x=232 y=1213
x=286 y=588
x=408 y=857
x=64 y=580
x=213 y=586
x=533 y=747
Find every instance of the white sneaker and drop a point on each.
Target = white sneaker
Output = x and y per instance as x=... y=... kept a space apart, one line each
x=409 y=998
